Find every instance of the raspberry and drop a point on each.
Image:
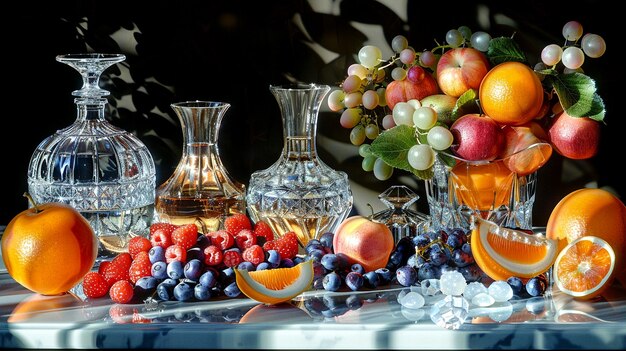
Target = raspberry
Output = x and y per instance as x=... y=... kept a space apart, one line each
x=94 y=285
x=254 y=254
x=121 y=291
x=222 y=239
x=175 y=253
x=118 y=268
x=138 y=244
x=236 y=223
x=287 y=245
x=245 y=239
x=185 y=236
x=262 y=229
x=161 y=234
x=213 y=255
x=141 y=267
x=167 y=228
x=232 y=258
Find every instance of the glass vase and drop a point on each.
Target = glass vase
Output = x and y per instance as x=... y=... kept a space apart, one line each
x=200 y=190
x=104 y=172
x=299 y=192
x=502 y=190
x=401 y=219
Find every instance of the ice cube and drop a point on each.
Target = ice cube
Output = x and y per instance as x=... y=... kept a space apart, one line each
x=430 y=287
x=474 y=288
x=412 y=300
x=483 y=300
x=501 y=291
x=452 y=283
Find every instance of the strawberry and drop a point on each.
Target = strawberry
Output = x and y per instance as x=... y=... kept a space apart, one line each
x=245 y=239
x=262 y=229
x=175 y=253
x=287 y=245
x=232 y=258
x=94 y=285
x=236 y=223
x=138 y=244
x=141 y=267
x=121 y=291
x=222 y=239
x=118 y=268
x=103 y=265
x=254 y=254
x=185 y=236
x=161 y=234
x=213 y=255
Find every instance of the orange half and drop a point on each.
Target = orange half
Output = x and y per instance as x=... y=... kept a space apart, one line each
x=503 y=252
x=273 y=286
x=584 y=267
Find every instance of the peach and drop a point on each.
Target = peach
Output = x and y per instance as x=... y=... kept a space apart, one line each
x=364 y=241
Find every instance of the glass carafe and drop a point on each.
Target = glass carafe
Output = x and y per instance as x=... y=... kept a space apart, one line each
x=299 y=192
x=200 y=190
x=104 y=172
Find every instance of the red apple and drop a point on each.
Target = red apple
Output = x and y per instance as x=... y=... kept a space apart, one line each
x=476 y=138
x=461 y=69
x=416 y=86
x=524 y=148
x=364 y=241
x=574 y=137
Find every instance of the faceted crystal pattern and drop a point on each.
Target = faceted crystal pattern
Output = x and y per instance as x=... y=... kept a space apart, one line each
x=450 y=312
x=398 y=216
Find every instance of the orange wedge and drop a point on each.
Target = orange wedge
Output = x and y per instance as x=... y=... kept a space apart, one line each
x=503 y=252
x=273 y=286
x=583 y=269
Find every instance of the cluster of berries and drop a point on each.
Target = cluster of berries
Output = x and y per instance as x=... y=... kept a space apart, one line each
x=179 y=263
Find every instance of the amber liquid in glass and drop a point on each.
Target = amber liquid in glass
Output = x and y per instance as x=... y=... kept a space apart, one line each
x=207 y=212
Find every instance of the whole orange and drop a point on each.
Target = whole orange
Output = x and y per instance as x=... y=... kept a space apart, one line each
x=589 y=211
x=49 y=248
x=511 y=93
x=364 y=241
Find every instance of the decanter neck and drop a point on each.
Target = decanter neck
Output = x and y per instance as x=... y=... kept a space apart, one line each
x=200 y=122
x=90 y=109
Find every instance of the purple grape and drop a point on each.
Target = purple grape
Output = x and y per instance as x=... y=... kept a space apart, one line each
x=357 y=267
x=516 y=285
x=421 y=240
x=428 y=271
x=330 y=262
x=535 y=286
x=317 y=254
x=461 y=258
x=384 y=275
x=406 y=275
x=438 y=258
x=371 y=279
x=354 y=281
x=327 y=239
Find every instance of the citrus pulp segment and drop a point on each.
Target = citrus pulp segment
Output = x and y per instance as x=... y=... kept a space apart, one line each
x=584 y=267
x=503 y=252
x=273 y=286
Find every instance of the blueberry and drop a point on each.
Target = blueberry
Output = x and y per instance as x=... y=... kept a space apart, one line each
x=232 y=290
x=354 y=302
x=227 y=276
x=314 y=242
x=466 y=248
x=406 y=275
x=371 y=279
x=332 y=281
x=421 y=240
x=165 y=289
x=343 y=261
x=156 y=254
x=516 y=284
x=298 y=260
x=201 y=292
x=202 y=242
x=286 y=263
x=208 y=279
x=144 y=286
x=313 y=246
x=357 y=267
x=438 y=258
x=195 y=253
x=175 y=269
x=461 y=258
x=535 y=286
x=315 y=305
x=354 y=281
x=159 y=270
x=318 y=269
x=330 y=262
x=263 y=265
x=384 y=275
x=327 y=239
x=183 y=291
x=193 y=269
x=316 y=255
x=318 y=283
x=249 y=266
x=273 y=258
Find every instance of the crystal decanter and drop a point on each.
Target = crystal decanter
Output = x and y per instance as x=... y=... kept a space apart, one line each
x=104 y=172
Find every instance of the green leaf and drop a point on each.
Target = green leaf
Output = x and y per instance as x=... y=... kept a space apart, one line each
x=465 y=104
x=504 y=49
x=577 y=94
x=392 y=146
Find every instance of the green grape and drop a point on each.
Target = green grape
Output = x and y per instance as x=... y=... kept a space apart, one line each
x=428 y=59
x=593 y=45
x=399 y=43
x=382 y=100
x=454 y=38
x=353 y=99
x=370 y=56
x=335 y=100
x=573 y=57
x=364 y=150
x=350 y=117
x=382 y=171
x=439 y=137
x=572 y=31
x=358 y=70
x=352 y=83
x=480 y=41
x=398 y=73
x=371 y=131
x=424 y=117
x=407 y=56
x=421 y=156
x=551 y=54
x=368 y=163
x=403 y=113
x=388 y=122
x=466 y=32
x=357 y=135
x=370 y=99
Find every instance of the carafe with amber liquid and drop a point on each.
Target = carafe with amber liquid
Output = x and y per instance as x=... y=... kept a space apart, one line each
x=200 y=190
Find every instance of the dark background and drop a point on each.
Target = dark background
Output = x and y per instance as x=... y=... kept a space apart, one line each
x=233 y=50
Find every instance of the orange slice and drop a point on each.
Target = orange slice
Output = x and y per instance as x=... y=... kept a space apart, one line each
x=273 y=286
x=584 y=267
x=503 y=252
